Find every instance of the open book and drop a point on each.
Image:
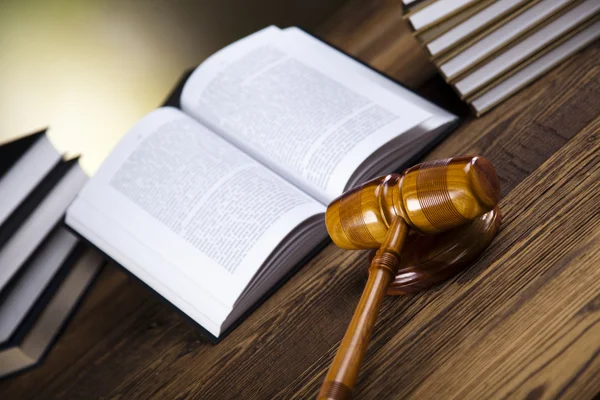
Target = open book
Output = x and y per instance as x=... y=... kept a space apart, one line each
x=212 y=205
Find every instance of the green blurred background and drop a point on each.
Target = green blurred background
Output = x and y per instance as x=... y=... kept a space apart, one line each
x=89 y=69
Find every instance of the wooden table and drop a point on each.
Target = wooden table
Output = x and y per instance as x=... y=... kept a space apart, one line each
x=523 y=322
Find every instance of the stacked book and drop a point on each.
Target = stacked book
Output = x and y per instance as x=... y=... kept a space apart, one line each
x=489 y=49
x=44 y=270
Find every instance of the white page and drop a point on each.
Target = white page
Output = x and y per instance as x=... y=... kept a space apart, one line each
x=29 y=286
x=46 y=327
x=196 y=201
x=146 y=265
x=471 y=25
x=286 y=100
x=537 y=68
x=41 y=221
x=436 y=11
x=384 y=142
x=500 y=37
x=522 y=50
x=25 y=175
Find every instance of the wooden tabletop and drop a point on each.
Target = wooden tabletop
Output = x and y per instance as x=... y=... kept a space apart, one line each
x=523 y=322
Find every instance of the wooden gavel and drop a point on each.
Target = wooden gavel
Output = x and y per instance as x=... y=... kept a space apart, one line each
x=457 y=196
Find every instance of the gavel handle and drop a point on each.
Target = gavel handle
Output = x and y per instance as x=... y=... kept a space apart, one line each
x=343 y=372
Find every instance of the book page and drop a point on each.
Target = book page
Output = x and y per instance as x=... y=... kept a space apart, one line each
x=200 y=205
x=25 y=175
x=526 y=48
x=298 y=106
x=436 y=11
x=500 y=37
x=538 y=67
x=473 y=24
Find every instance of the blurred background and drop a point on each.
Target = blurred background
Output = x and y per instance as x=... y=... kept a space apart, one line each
x=89 y=69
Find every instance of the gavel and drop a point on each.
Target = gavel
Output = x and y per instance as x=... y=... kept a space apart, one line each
x=457 y=196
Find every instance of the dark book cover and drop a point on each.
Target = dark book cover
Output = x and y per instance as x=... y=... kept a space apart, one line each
x=33 y=200
x=40 y=305
x=10 y=152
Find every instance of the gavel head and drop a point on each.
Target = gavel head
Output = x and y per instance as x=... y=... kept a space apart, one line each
x=431 y=197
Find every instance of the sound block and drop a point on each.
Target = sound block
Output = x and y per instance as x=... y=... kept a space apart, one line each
x=429 y=260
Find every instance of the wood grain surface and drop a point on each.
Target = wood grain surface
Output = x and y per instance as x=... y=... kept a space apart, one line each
x=523 y=322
